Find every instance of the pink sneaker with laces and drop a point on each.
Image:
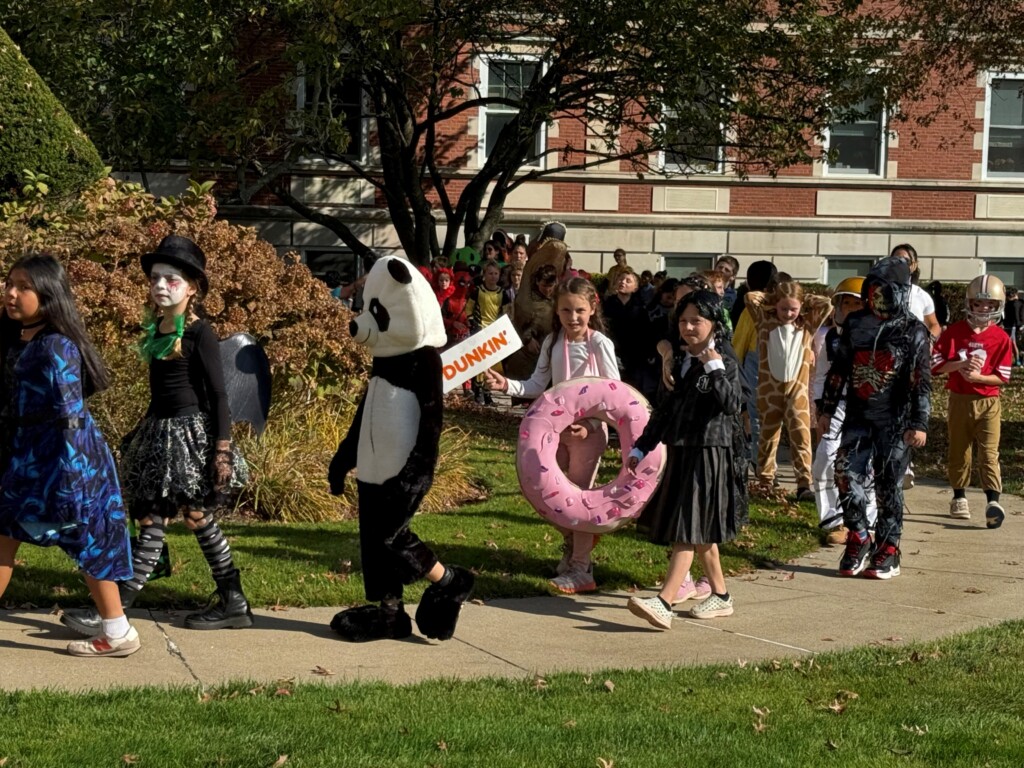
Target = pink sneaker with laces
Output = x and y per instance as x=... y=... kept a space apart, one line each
x=691 y=590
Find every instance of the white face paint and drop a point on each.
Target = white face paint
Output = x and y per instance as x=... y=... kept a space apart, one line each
x=169 y=286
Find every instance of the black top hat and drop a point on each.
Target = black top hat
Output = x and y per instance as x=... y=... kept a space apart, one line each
x=182 y=253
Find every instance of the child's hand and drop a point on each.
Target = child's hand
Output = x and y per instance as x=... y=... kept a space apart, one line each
x=631 y=465
x=708 y=354
x=915 y=438
x=578 y=431
x=495 y=381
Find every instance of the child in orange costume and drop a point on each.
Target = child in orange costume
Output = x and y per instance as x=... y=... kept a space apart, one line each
x=784 y=339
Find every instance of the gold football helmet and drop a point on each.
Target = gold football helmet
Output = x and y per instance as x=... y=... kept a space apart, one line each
x=986 y=288
x=850 y=286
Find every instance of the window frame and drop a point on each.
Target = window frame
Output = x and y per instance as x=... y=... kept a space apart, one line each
x=361 y=156
x=990 y=78
x=883 y=152
x=483 y=62
x=670 y=169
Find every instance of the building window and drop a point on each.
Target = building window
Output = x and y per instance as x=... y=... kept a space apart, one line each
x=680 y=265
x=692 y=143
x=1004 y=126
x=507 y=78
x=840 y=269
x=857 y=147
x=1009 y=271
x=324 y=103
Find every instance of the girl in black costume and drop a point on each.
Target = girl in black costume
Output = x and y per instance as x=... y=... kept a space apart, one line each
x=180 y=456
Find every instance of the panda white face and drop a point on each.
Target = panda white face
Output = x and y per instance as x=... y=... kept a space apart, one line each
x=401 y=312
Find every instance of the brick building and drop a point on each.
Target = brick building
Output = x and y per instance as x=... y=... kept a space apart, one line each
x=955 y=189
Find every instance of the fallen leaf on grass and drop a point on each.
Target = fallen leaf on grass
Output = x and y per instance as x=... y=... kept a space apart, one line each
x=282 y=692
x=256 y=691
x=442 y=745
x=3 y=761
x=609 y=685
x=569 y=724
x=602 y=763
x=492 y=544
x=460 y=535
x=831 y=744
x=539 y=683
x=894 y=639
x=917 y=730
x=129 y=759
x=277 y=607
x=741 y=663
x=280 y=761
x=323 y=671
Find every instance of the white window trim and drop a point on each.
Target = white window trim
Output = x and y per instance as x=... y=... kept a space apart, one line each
x=883 y=153
x=676 y=168
x=989 y=78
x=483 y=68
x=364 y=140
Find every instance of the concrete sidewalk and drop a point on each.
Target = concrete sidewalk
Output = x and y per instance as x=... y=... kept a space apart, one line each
x=957 y=575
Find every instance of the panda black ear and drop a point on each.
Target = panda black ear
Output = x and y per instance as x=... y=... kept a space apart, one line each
x=399 y=271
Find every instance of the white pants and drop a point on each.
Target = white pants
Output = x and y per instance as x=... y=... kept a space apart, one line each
x=826 y=495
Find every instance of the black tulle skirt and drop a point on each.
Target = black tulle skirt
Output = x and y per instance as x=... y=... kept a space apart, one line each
x=696 y=500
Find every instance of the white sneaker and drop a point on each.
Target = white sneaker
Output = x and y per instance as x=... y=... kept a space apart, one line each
x=101 y=645
x=652 y=610
x=576 y=580
x=958 y=508
x=712 y=608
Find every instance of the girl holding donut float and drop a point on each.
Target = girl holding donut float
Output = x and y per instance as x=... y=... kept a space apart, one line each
x=695 y=507
x=575 y=348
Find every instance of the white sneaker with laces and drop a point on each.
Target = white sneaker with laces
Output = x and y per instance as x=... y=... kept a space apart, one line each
x=101 y=645
x=959 y=509
x=652 y=610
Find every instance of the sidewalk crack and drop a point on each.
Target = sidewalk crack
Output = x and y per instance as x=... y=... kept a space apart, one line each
x=175 y=651
x=493 y=655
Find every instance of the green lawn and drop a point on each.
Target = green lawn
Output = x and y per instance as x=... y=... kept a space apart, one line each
x=502 y=538
x=958 y=702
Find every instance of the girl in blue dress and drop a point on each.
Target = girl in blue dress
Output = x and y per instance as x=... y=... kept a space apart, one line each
x=59 y=484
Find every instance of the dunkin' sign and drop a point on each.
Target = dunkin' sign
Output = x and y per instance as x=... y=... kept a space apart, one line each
x=479 y=352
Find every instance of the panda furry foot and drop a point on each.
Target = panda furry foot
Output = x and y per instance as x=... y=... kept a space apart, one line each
x=371 y=622
x=438 y=611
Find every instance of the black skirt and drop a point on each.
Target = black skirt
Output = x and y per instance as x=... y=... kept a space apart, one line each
x=696 y=500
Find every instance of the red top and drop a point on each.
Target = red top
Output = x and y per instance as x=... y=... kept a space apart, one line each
x=959 y=341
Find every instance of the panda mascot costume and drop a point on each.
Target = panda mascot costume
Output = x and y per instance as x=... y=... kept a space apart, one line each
x=393 y=444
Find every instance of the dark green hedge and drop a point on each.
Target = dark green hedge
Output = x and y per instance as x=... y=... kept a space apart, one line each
x=36 y=133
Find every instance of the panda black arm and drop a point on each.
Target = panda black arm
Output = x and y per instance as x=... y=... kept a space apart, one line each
x=344 y=460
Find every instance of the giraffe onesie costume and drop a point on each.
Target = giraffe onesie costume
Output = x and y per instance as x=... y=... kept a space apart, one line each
x=783 y=380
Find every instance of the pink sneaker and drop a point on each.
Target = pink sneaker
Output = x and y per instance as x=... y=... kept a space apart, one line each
x=690 y=590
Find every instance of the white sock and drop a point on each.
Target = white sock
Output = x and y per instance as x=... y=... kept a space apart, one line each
x=116 y=628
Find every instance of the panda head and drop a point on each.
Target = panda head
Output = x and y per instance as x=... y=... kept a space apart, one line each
x=400 y=311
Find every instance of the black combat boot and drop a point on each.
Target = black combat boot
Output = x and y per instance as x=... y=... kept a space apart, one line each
x=227 y=610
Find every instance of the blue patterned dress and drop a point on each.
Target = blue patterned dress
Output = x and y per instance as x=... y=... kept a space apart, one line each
x=59 y=487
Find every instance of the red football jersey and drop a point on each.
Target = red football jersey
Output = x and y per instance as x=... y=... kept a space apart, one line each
x=959 y=341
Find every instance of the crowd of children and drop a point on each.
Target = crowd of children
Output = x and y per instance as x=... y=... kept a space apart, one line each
x=720 y=401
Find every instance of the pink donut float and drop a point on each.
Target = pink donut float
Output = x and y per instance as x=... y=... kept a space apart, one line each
x=603 y=508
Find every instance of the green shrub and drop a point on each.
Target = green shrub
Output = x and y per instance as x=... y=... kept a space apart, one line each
x=36 y=133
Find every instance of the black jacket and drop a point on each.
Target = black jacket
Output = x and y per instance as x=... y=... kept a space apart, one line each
x=700 y=412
